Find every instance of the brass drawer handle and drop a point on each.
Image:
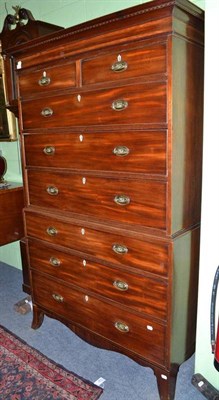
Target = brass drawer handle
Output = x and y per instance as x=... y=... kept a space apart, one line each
x=51 y=231
x=46 y=112
x=49 y=150
x=121 y=151
x=120 y=285
x=121 y=326
x=58 y=298
x=122 y=199
x=52 y=190
x=55 y=262
x=44 y=80
x=119 y=105
x=119 y=66
x=120 y=249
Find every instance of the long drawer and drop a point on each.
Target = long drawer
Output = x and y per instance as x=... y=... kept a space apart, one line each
x=150 y=256
x=120 y=105
x=127 y=201
x=125 y=64
x=139 y=334
x=136 y=151
x=133 y=290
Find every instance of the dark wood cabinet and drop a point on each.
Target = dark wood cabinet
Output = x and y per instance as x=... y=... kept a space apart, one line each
x=111 y=130
x=11 y=205
x=18 y=29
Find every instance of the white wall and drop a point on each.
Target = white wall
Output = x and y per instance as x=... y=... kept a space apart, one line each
x=209 y=254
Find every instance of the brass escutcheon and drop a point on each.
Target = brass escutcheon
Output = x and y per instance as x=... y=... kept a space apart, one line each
x=121 y=326
x=120 y=285
x=49 y=150
x=121 y=151
x=122 y=199
x=119 y=105
x=52 y=231
x=58 y=298
x=55 y=262
x=44 y=81
x=47 y=112
x=119 y=66
x=52 y=190
x=120 y=248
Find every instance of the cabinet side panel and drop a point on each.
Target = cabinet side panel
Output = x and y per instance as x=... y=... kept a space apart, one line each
x=184 y=296
x=187 y=108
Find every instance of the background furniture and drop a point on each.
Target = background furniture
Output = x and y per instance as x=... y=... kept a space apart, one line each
x=11 y=205
x=111 y=124
x=19 y=28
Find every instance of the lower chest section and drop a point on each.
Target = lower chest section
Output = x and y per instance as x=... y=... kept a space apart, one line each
x=109 y=283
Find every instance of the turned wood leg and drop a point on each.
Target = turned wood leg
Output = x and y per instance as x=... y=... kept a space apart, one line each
x=38 y=316
x=166 y=382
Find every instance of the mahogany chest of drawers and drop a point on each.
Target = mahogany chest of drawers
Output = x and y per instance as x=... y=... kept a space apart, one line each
x=111 y=129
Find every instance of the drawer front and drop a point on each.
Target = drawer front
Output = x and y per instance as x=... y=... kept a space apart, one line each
x=47 y=79
x=136 y=151
x=121 y=105
x=133 y=290
x=126 y=201
x=125 y=64
x=123 y=328
x=115 y=249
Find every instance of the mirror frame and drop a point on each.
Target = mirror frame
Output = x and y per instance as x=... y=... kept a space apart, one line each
x=10 y=133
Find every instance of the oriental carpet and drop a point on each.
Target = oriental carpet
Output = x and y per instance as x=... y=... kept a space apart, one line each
x=26 y=374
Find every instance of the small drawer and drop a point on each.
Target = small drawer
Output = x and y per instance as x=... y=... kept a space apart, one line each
x=121 y=105
x=126 y=201
x=137 y=151
x=115 y=249
x=125 y=64
x=38 y=81
x=129 y=331
x=138 y=292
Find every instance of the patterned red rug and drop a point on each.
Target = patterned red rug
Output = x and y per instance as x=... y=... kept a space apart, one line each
x=26 y=374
